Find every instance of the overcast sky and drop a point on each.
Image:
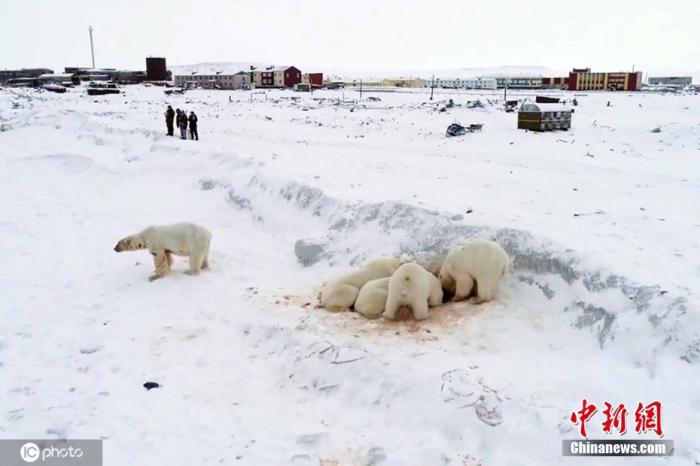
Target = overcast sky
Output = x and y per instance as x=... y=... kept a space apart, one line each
x=359 y=34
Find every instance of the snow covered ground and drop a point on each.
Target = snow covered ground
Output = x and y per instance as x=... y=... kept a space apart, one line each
x=602 y=223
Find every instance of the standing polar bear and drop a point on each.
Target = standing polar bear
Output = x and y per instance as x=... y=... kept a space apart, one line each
x=371 y=301
x=482 y=263
x=412 y=285
x=340 y=294
x=162 y=241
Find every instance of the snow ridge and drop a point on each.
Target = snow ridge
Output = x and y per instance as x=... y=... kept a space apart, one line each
x=600 y=301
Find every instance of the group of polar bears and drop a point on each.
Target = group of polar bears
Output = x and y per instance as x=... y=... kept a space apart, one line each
x=383 y=286
x=379 y=289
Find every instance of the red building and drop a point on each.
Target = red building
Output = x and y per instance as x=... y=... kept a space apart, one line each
x=582 y=79
x=280 y=77
x=289 y=75
x=313 y=79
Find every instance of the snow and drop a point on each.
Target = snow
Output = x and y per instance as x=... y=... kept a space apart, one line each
x=601 y=221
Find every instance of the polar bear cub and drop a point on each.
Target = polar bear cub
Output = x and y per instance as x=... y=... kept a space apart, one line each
x=482 y=263
x=412 y=285
x=340 y=294
x=371 y=300
x=162 y=241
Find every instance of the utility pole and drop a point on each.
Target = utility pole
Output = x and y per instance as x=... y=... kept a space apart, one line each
x=432 y=87
x=505 y=91
x=360 y=89
x=92 y=47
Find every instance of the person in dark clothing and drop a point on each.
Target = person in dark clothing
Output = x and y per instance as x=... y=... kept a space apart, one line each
x=193 y=126
x=169 y=117
x=178 y=118
x=182 y=124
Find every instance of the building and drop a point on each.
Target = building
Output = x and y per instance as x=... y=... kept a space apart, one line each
x=364 y=83
x=313 y=79
x=286 y=76
x=95 y=74
x=262 y=78
x=276 y=76
x=672 y=80
x=582 y=79
x=544 y=116
x=518 y=82
x=229 y=81
x=6 y=75
x=403 y=82
x=480 y=83
x=156 y=69
x=561 y=82
x=129 y=77
x=463 y=83
x=50 y=78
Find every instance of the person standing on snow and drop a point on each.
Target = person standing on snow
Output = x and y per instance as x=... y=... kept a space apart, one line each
x=182 y=124
x=169 y=117
x=193 y=126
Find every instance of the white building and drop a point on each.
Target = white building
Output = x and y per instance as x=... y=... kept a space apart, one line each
x=240 y=80
x=518 y=82
x=56 y=78
x=480 y=83
x=463 y=83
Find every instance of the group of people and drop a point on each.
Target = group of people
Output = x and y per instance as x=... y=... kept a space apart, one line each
x=180 y=118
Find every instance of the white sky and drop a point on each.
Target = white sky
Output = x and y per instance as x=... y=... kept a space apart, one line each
x=606 y=35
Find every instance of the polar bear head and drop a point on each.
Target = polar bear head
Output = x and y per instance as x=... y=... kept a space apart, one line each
x=130 y=243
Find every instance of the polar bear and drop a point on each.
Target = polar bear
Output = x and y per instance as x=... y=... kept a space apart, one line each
x=412 y=285
x=162 y=241
x=340 y=294
x=371 y=300
x=483 y=262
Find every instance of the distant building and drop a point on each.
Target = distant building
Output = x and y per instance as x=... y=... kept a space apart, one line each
x=490 y=82
x=463 y=83
x=239 y=80
x=313 y=79
x=50 y=78
x=480 y=83
x=561 y=82
x=365 y=83
x=276 y=76
x=403 y=82
x=80 y=74
x=582 y=79
x=95 y=74
x=156 y=69
x=263 y=78
x=6 y=75
x=280 y=77
x=518 y=82
x=287 y=76
x=544 y=117
x=129 y=77
x=672 y=80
